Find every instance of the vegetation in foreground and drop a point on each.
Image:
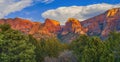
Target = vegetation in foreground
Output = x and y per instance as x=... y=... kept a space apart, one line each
x=17 y=47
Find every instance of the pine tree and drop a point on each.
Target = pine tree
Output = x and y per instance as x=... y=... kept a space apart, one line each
x=15 y=46
x=91 y=49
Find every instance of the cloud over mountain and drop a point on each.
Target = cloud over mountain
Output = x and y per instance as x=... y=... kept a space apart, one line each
x=80 y=12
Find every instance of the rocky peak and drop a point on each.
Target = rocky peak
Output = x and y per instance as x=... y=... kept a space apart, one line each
x=104 y=23
x=49 y=22
x=24 y=25
x=73 y=25
x=73 y=21
x=17 y=18
x=50 y=26
x=112 y=12
x=22 y=20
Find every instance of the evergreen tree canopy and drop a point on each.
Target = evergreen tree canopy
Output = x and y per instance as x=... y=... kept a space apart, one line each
x=91 y=49
x=48 y=48
x=15 y=46
x=113 y=42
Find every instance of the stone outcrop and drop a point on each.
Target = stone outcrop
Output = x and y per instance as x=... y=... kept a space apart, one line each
x=73 y=25
x=25 y=26
x=103 y=24
x=51 y=26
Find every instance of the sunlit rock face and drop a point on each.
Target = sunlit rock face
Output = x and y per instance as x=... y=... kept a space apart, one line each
x=52 y=26
x=73 y=25
x=103 y=24
x=35 y=28
x=71 y=30
x=112 y=12
x=25 y=26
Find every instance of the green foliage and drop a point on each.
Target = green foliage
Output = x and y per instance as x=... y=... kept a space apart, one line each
x=4 y=27
x=91 y=49
x=48 y=47
x=14 y=46
x=113 y=42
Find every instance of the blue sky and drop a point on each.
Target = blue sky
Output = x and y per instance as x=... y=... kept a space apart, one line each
x=36 y=8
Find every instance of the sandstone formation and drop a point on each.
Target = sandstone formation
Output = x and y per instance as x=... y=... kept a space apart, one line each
x=73 y=25
x=103 y=24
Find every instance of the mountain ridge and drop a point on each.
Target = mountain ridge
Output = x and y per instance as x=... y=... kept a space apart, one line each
x=104 y=23
x=100 y=25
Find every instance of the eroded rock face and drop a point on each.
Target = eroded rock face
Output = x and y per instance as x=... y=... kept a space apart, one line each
x=35 y=28
x=52 y=26
x=112 y=21
x=25 y=26
x=104 y=23
x=73 y=25
x=112 y=12
x=71 y=30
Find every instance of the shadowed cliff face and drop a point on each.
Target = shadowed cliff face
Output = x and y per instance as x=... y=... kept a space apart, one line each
x=104 y=23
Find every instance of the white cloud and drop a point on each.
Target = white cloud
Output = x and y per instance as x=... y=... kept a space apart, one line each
x=80 y=12
x=45 y=1
x=9 y=6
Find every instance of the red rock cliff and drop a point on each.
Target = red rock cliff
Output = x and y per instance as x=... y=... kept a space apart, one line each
x=73 y=25
x=102 y=24
x=23 y=25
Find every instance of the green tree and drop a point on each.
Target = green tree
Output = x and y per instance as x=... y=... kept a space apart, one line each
x=15 y=46
x=5 y=27
x=113 y=42
x=48 y=48
x=91 y=49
